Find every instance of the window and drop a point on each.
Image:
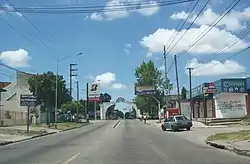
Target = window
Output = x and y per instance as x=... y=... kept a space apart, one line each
x=181 y=118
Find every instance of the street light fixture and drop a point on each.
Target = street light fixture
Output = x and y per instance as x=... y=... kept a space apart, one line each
x=56 y=94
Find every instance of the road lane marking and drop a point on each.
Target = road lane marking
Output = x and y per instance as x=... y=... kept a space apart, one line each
x=117 y=123
x=71 y=158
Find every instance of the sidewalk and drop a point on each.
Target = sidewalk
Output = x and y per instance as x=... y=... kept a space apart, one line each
x=18 y=133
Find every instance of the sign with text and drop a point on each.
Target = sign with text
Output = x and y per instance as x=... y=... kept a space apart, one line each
x=234 y=85
x=28 y=100
x=145 y=90
x=94 y=92
x=209 y=88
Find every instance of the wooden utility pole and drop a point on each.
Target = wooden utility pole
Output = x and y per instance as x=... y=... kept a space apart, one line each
x=190 y=92
x=177 y=82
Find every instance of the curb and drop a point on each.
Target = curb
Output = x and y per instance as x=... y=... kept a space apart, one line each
x=229 y=148
x=41 y=135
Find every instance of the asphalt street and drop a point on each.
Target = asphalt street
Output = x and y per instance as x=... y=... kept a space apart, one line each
x=131 y=142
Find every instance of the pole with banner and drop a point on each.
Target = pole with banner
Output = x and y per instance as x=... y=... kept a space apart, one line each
x=94 y=94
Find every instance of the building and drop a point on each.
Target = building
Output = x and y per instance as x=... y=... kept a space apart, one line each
x=230 y=99
x=11 y=113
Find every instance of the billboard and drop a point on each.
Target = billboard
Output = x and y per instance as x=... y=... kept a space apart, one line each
x=145 y=90
x=94 y=92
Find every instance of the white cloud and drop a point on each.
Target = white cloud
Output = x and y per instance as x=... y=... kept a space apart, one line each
x=210 y=43
x=108 y=80
x=214 y=68
x=17 y=58
x=127 y=48
x=8 y=8
x=111 y=15
x=149 y=11
x=96 y=16
x=234 y=21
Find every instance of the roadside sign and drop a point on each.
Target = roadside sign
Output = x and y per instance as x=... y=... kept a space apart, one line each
x=145 y=90
x=94 y=92
x=210 y=88
x=28 y=100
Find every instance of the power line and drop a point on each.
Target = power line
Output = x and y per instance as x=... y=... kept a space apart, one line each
x=202 y=9
x=243 y=33
x=196 y=17
x=230 y=57
x=209 y=28
x=28 y=20
x=15 y=29
x=91 y=9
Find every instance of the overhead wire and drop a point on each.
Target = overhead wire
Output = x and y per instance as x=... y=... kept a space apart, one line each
x=209 y=28
x=230 y=57
x=176 y=32
x=91 y=9
x=190 y=25
x=230 y=44
x=29 y=21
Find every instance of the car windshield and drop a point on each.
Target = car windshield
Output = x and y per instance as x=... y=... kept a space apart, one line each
x=181 y=118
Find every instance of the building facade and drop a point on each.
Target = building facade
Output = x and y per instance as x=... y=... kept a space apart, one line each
x=230 y=100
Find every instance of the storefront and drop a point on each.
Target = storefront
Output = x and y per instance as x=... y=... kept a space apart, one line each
x=230 y=100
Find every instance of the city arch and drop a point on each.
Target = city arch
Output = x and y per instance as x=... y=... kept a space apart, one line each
x=107 y=107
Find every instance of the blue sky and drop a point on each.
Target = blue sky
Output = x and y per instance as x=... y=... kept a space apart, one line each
x=115 y=43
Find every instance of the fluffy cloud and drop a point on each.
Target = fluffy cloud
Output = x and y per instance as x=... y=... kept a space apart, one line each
x=214 y=68
x=9 y=8
x=210 y=43
x=17 y=58
x=234 y=21
x=154 y=8
x=108 y=80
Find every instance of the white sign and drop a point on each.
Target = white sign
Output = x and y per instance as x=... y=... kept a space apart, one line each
x=94 y=90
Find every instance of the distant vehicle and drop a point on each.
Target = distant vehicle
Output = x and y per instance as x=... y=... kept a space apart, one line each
x=176 y=122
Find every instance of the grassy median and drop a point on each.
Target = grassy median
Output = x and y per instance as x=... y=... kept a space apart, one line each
x=64 y=125
x=233 y=136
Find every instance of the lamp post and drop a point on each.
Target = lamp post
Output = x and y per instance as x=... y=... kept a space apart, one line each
x=56 y=94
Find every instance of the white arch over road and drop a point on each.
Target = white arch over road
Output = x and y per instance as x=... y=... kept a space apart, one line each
x=105 y=105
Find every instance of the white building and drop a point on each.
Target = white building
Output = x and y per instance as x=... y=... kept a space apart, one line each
x=11 y=113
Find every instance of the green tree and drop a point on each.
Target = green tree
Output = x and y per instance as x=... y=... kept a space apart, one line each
x=148 y=75
x=105 y=97
x=183 y=93
x=43 y=86
x=72 y=106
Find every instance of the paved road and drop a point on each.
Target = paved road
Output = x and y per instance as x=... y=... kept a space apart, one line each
x=131 y=142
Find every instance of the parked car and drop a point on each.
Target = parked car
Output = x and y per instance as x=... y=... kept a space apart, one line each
x=176 y=122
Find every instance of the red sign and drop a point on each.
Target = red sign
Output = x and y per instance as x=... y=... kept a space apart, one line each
x=94 y=99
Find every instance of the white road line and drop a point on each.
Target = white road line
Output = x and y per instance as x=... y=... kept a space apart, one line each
x=71 y=158
x=118 y=123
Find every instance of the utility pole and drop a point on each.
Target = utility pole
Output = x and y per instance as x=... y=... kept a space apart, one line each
x=71 y=74
x=166 y=75
x=77 y=97
x=190 y=92
x=177 y=82
x=87 y=102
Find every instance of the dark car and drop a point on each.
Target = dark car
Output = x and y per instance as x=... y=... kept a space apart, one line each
x=176 y=122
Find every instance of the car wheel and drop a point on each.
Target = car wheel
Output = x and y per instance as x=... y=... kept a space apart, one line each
x=163 y=128
x=188 y=128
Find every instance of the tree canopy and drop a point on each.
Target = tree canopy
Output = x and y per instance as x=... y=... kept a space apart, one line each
x=148 y=75
x=44 y=87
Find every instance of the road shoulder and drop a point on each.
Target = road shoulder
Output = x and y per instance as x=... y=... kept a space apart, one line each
x=10 y=135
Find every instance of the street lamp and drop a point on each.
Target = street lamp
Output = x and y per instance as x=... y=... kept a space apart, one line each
x=56 y=94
